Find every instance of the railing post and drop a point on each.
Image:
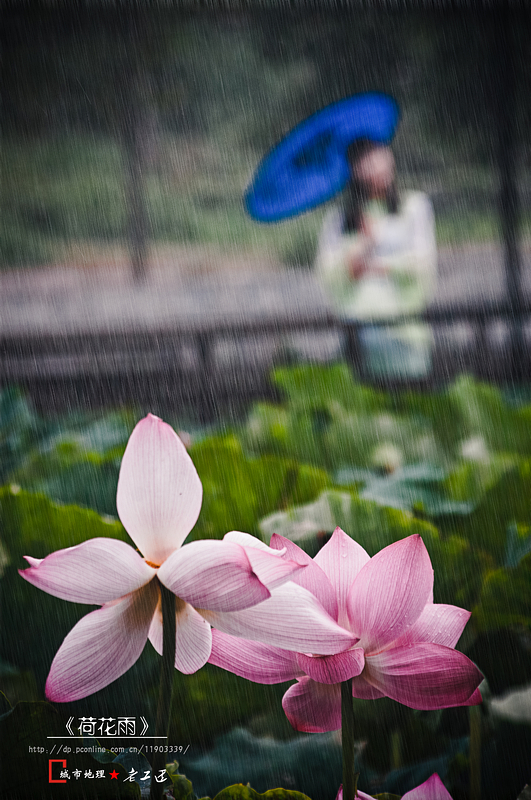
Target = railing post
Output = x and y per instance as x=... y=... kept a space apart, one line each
x=207 y=404
x=353 y=347
x=481 y=348
x=506 y=43
x=204 y=342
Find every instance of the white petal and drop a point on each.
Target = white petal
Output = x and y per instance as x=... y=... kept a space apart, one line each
x=102 y=646
x=273 y=571
x=159 y=491
x=292 y=618
x=246 y=540
x=94 y=572
x=214 y=575
x=193 y=637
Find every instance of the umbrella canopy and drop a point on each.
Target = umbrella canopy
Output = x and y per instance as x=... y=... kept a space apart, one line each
x=310 y=165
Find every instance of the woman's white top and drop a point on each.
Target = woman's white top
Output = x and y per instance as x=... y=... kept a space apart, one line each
x=403 y=246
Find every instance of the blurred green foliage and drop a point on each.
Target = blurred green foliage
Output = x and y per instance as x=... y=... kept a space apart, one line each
x=71 y=189
x=34 y=525
x=238 y=490
x=240 y=792
x=459 y=459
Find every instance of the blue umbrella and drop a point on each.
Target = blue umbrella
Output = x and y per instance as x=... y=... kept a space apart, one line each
x=310 y=165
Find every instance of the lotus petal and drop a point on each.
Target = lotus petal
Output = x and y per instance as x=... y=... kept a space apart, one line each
x=432 y=789
x=256 y=662
x=159 y=492
x=247 y=540
x=332 y=669
x=474 y=700
x=214 y=575
x=102 y=646
x=267 y=564
x=423 y=676
x=292 y=619
x=341 y=559
x=389 y=593
x=313 y=707
x=311 y=577
x=438 y=624
x=359 y=794
x=193 y=637
x=363 y=690
x=94 y=572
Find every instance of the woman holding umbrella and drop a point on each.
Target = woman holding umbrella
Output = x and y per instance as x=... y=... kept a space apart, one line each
x=376 y=257
x=377 y=261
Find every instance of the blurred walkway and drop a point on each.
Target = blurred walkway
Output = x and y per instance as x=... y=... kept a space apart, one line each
x=55 y=300
x=208 y=337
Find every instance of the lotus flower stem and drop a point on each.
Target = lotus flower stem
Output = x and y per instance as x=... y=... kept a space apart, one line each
x=165 y=684
x=396 y=749
x=350 y=777
x=475 y=752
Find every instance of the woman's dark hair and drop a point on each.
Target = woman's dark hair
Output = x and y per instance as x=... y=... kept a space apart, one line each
x=356 y=192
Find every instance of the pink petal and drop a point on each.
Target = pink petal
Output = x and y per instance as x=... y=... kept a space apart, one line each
x=292 y=619
x=311 y=577
x=438 y=624
x=332 y=669
x=267 y=564
x=214 y=575
x=256 y=662
x=93 y=572
x=432 y=789
x=341 y=559
x=474 y=700
x=247 y=540
x=159 y=491
x=363 y=690
x=193 y=637
x=273 y=571
x=423 y=676
x=313 y=707
x=362 y=795
x=389 y=593
x=102 y=646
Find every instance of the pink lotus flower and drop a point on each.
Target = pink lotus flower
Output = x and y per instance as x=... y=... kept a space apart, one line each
x=432 y=789
x=404 y=643
x=159 y=499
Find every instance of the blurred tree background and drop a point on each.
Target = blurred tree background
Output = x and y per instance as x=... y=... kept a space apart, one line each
x=145 y=124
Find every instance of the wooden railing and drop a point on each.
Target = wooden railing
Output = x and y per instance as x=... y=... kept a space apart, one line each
x=129 y=365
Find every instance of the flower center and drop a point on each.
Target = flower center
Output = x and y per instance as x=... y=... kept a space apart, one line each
x=152 y=564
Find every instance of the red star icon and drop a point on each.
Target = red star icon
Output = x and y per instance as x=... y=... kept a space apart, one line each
x=114 y=774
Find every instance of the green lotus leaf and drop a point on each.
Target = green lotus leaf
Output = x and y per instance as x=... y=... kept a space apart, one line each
x=371 y=525
x=241 y=792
